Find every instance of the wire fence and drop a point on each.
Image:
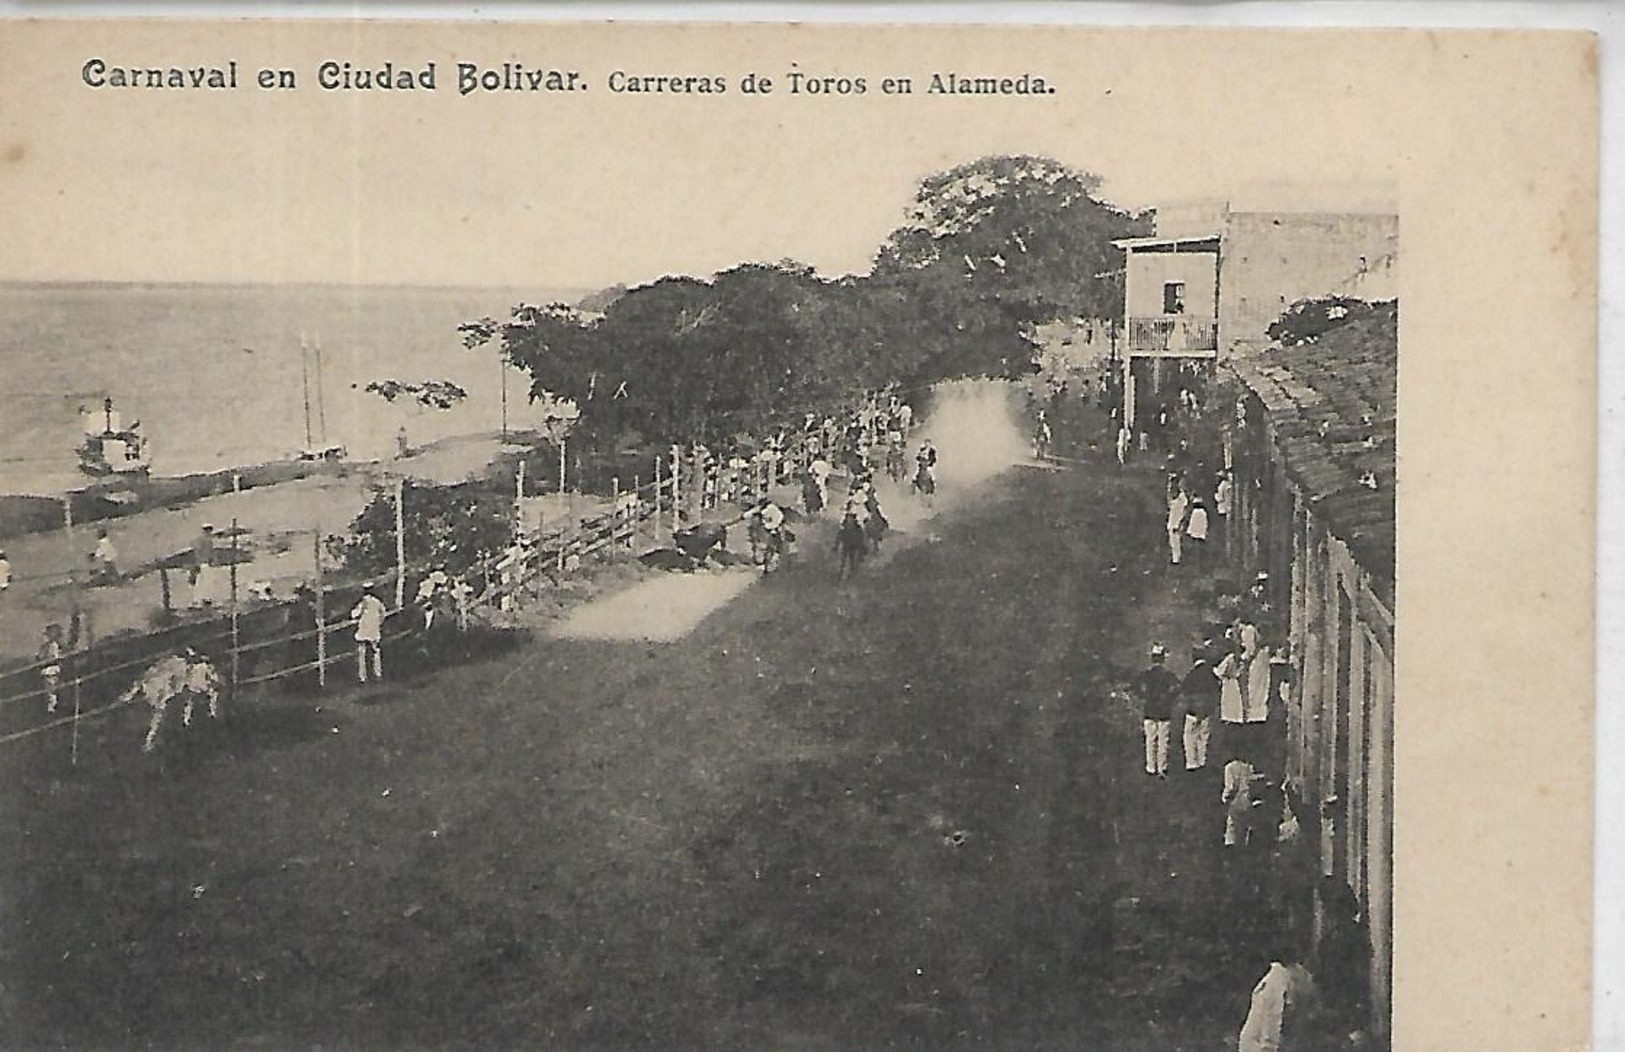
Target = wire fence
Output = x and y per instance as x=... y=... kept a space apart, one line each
x=257 y=642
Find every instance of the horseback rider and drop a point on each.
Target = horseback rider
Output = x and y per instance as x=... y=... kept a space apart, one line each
x=925 y=481
x=850 y=543
x=1042 y=436
x=771 y=519
x=874 y=523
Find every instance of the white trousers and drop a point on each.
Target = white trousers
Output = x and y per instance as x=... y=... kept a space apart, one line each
x=1238 y=820
x=1196 y=734
x=1176 y=541
x=362 y=648
x=1157 y=732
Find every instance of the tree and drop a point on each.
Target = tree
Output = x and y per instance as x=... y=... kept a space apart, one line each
x=993 y=249
x=679 y=358
x=1306 y=320
x=435 y=395
x=990 y=251
x=450 y=525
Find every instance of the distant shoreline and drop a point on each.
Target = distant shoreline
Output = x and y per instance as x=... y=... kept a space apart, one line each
x=570 y=293
x=31 y=513
x=28 y=514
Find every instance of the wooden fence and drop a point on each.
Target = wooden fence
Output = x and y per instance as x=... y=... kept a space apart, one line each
x=254 y=643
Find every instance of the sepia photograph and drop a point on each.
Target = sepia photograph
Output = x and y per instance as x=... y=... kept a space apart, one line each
x=740 y=537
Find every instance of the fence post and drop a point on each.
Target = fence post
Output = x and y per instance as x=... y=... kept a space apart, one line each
x=614 y=513
x=676 y=485
x=77 y=678
x=575 y=521
x=698 y=467
x=321 y=614
x=236 y=542
x=637 y=509
x=519 y=498
x=400 y=541
x=658 y=495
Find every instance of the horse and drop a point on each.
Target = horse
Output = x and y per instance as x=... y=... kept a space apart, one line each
x=851 y=543
x=778 y=546
x=925 y=482
x=1042 y=439
x=187 y=676
x=896 y=463
x=812 y=493
x=875 y=524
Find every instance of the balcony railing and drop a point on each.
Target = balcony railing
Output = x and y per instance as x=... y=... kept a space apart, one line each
x=1172 y=333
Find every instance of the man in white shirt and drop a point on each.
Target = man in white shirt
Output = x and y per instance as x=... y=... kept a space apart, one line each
x=1223 y=496
x=428 y=595
x=1178 y=507
x=369 y=632
x=1196 y=527
x=1237 y=796
x=821 y=470
x=1284 y=1009
x=105 y=557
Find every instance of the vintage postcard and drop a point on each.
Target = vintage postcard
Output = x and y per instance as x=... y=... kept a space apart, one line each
x=662 y=536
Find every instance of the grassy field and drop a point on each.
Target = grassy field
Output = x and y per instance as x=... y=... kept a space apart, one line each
x=901 y=812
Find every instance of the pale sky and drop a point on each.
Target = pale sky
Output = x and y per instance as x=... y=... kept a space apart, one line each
x=597 y=187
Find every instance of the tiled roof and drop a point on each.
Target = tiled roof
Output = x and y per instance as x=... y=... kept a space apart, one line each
x=1330 y=406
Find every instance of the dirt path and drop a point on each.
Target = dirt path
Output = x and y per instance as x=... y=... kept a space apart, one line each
x=663 y=609
x=900 y=812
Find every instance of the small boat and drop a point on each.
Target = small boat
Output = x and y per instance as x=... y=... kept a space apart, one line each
x=335 y=453
x=110 y=448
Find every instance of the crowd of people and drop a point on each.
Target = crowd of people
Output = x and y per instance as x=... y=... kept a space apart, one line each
x=1213 y=710
x=872 y=441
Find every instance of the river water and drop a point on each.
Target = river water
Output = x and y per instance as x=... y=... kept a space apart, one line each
x=214 y=373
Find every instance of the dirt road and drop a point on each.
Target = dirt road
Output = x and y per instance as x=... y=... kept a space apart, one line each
x=901 y=812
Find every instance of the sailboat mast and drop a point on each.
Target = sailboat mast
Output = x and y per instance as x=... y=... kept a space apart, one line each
x=304 y=374
x=321 y=395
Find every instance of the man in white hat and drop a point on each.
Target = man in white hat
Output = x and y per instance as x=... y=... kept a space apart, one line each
x=1179 y=504
x=368 y=615
x=1157 y=687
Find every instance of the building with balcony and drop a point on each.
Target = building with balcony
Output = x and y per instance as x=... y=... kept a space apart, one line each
x=1207 y=285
